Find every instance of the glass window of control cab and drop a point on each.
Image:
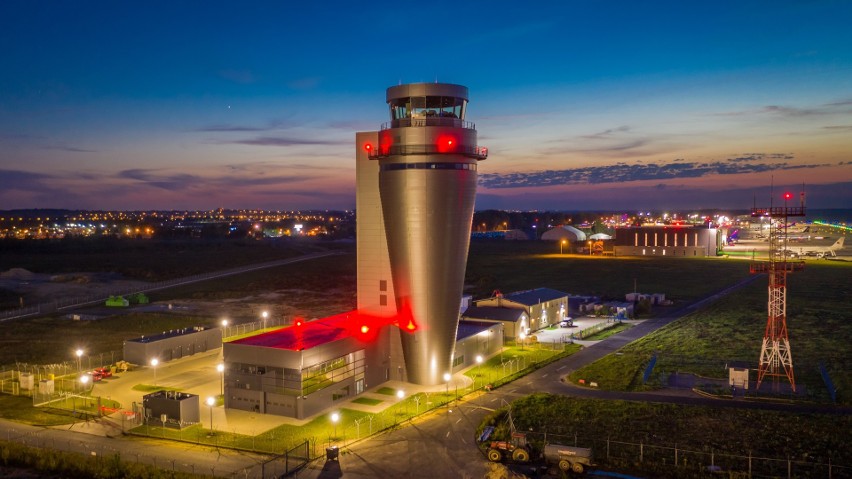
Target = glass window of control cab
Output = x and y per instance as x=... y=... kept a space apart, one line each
x=427 y=107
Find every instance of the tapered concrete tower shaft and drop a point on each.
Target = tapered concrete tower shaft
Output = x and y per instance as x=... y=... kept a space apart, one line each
x=427 y=180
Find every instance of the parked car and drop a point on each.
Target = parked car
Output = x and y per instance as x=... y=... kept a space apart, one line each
x=566 y=323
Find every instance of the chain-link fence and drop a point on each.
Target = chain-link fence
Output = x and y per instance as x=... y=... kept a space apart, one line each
x=664 y=460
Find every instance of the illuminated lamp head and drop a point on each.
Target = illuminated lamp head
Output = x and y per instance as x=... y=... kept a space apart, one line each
x=788 y=196
x=368 y=147
x=299 y=322
x=365 y=329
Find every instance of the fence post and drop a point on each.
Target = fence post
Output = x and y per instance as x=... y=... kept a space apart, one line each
x=676 y=464
x=607 y=447
x=749 y=463
x=641 y=451
x=789 y=468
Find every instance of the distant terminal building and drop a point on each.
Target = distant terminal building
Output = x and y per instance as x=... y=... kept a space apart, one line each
x=674 y=241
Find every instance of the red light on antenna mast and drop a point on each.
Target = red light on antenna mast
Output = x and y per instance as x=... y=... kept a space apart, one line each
x=368 y=147
x=788 y=196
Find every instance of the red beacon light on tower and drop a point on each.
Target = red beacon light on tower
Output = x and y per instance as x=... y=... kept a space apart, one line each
x=788 y=196
x=368 y=147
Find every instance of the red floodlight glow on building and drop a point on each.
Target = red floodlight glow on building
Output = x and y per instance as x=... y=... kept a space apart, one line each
x=446 y=144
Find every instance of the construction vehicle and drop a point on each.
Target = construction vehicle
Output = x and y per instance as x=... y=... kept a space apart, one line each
x=574 y=459
x=517 y=448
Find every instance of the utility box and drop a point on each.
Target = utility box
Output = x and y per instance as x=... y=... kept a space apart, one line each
x=738 y=377
x=27 y=381
x=171 y=409
x=45 y=386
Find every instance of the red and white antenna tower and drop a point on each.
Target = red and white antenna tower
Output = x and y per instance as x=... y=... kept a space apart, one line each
x=775 y=357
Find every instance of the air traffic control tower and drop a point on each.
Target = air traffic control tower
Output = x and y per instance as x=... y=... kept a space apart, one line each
x=416 y=183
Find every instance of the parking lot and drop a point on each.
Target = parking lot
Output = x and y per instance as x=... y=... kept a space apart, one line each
x=563 y=335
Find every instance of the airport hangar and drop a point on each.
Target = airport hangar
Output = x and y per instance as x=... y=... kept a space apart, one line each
x=675 y=240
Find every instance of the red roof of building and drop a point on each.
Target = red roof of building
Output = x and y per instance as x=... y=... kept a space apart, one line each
x=308 y=334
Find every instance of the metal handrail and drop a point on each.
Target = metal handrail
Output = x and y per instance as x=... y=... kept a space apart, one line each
x=429 y=121
x=477 y=152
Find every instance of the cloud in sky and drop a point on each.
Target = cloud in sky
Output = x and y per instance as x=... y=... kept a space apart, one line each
x=825 y=109
x=286 y=141
x=623 y=172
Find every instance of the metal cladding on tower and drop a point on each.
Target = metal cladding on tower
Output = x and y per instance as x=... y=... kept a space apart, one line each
x=428 y=159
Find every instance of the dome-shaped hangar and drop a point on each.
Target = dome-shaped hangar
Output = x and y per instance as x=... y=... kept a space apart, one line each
x=564 y=232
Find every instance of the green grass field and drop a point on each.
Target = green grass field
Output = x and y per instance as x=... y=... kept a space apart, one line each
x=54 y=339
x=732 y=328
x=150 y=260
x=511 y=266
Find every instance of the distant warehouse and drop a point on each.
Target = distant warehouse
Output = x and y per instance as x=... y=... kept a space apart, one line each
x=678 y=241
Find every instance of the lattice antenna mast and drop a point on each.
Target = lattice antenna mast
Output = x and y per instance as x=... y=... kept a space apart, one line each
x=776 y=359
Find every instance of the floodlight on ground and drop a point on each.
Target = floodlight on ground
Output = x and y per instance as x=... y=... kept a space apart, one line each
x=400 y=393
x=211 y=401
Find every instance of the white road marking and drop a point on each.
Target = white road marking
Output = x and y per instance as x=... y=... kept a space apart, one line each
x=560 y=368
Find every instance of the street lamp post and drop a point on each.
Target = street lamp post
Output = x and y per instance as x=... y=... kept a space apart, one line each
x=523 y=337
x=561 y=245
x=79 y=353
x=447 y=377
x=221 y=368
x=154 y=363
x=334 y=418
x=478 y=368
x=224 y=326
x=400 y=394
x=211 y=401
x=264 y=315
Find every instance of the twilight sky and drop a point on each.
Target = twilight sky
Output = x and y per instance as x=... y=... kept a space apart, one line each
x=582 y=104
